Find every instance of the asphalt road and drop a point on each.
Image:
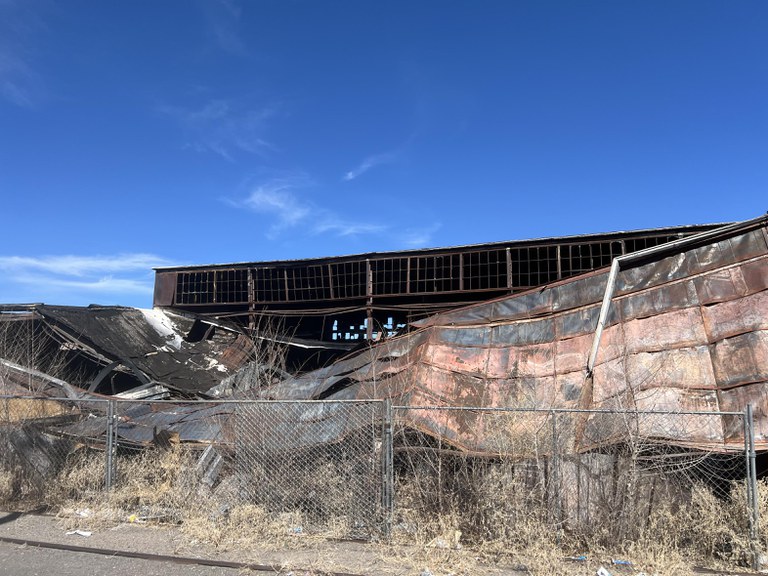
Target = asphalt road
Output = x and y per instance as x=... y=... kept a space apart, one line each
x=18 y=560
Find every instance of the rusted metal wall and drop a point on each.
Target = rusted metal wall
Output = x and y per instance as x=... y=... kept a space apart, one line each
x=686 y=331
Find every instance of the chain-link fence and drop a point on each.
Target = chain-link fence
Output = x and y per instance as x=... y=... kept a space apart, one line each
x=320 y=460
x=41 y=455
x=496 y=478
x=506 y=477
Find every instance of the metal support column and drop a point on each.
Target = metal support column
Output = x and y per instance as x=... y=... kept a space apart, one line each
x=368 y=302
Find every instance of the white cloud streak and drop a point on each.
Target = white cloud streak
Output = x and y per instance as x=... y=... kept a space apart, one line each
x=419 y=237
x=343 y=228
x=81 y=266
x=222 y=127
x=222 y=20
x=75 y=278
x=16 y=80
x=368 y=163
x=101 y=285
x=20 y=84
x=280 y=199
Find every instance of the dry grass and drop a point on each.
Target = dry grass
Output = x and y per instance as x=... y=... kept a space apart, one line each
x=7 y=477
x=452 y=516
x=23 y=409
x=505 y=515
x=162 y=486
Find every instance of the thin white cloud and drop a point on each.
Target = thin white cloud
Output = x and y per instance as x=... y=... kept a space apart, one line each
x=78 y=279
x=368 y=163
x=16 y=80
x=20 y=84
x=419 y=237
x=223 y=127
x=103 y=284
x=280 y=198
x=80 y=266
x=344 y=228
x=277 y=197
x=222 y=21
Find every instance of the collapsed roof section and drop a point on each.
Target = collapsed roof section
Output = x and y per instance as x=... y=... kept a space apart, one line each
x=680 y=327
x=127 y=351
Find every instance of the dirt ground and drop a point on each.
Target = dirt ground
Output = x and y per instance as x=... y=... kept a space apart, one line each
x=299 y=557
x=305 y=558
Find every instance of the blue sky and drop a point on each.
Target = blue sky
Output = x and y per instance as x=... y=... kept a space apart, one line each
x=141 y=133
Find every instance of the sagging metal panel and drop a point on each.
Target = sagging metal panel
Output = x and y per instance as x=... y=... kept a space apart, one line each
x=141 y=348
x=686 y=330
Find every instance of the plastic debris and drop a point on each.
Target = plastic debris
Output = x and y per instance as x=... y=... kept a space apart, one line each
x=85 y=513
x=603 y=572
x=621 y=562
x=579 y=558
x=84 y=533
x=425 y=572
x=438 y=543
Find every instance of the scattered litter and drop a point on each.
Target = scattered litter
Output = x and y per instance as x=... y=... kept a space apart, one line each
x=621 y=562
x=85 y=513
x=603 y=572
x=444 y=544
x=146 y=514
x=579 y=558
x=438 y=543
x=297 y=530
x=85 y=533
x=425 y=572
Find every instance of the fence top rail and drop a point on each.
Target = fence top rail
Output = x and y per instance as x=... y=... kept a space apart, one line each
x=180 y=401
x=52 y=399
x=394 y=407
x=570 y=410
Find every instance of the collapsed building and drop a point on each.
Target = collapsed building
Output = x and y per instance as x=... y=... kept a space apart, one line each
x=322 y=308
x=680 y=327
x=125 y=352
x=671 y=319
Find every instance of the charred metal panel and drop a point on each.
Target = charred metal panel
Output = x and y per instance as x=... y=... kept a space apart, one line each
x=671 y=297
x=526 y=306
x=581 y=292
x=165 y=287
x=735 y=317
x=522 y=333
x=741 y=360
x=749 y=245
x=721 y=286
x=577 y=323
x=755 y=275
x=147 y=345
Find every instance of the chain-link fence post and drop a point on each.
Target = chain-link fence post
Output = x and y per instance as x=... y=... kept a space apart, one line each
x=387 y=469
x=752 y=496
x=555 y=478
x=109 y=472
